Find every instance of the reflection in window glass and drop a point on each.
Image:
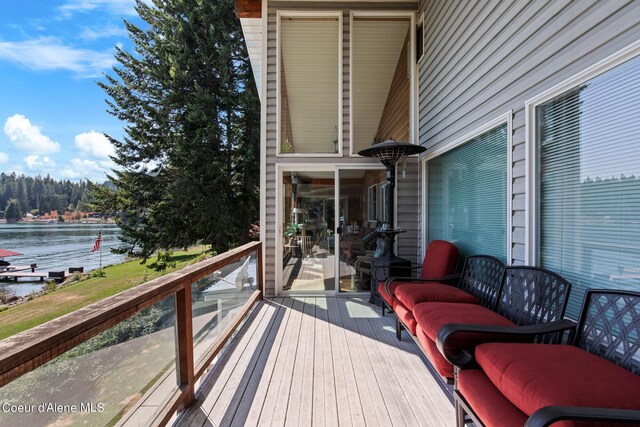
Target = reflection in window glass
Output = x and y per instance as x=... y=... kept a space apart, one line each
x=467 y=195
x=589 y=182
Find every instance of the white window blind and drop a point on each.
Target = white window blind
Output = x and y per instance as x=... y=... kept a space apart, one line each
x=467 y=199
x=588 y=142
x=309 y=80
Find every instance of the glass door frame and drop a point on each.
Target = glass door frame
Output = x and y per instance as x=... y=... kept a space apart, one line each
x=281 y=169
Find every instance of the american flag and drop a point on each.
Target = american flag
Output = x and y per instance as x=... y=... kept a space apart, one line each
x=96 y=245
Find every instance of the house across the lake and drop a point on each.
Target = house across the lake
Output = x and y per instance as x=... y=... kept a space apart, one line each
x=528 y=118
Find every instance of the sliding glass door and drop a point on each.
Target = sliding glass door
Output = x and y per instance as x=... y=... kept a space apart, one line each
x=326 y=247
x=362 y=193
x=308 y=226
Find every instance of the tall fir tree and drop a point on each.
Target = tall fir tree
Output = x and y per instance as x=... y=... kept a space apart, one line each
x=188 y=163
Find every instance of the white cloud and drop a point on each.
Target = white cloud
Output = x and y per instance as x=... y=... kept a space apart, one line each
x=103 y=33
x=87 y=169
x=28 y=137
x=3 y=158
x=39 y=164
x=49 y=53
x=94 y=144
x=116 y=7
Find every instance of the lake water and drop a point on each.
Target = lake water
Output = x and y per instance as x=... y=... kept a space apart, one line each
x=56 y=247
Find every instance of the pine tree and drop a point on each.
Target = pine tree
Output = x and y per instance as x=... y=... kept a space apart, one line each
x=188 y=163
x=12 y=211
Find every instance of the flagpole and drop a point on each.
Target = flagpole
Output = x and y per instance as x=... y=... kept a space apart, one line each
x=100 y=234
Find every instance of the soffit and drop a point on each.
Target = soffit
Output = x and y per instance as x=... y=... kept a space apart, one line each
x=252 y=29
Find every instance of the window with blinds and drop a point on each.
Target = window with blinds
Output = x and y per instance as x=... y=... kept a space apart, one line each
x=589 y=183
x=309 y=102
x=467 y=195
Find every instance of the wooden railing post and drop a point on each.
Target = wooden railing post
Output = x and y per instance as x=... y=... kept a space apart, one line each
x=185 y=342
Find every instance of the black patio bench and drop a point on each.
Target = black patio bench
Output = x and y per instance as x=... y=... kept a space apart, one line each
x=478 y=283
x=595 y=377
x=527 y=296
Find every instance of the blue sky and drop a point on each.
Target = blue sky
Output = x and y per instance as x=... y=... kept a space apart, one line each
x=52 y=113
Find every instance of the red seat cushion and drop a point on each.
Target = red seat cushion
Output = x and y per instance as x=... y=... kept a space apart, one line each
x=406 y=316
x=533 y=376
x=432 y=316
x=411 y=294
x=438 y=361
x=486 y=400
x=383 y=292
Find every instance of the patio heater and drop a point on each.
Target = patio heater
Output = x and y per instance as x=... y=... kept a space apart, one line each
x=389 y=153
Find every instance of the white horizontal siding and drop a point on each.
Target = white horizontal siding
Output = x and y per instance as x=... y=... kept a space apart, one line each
x=407 y=188
x=485 y=58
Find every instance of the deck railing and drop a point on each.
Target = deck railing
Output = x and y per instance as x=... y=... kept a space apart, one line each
x=133 y=358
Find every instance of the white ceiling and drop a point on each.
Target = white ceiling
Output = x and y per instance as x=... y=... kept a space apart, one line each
x=376 y=49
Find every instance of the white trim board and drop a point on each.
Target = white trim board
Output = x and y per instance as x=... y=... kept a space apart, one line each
x=263 y=142
x=531 y=166
x=500 y=120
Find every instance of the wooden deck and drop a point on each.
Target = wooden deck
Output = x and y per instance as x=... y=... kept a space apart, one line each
x=319 y=361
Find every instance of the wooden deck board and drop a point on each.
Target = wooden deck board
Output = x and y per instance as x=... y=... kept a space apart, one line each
x=264 y=376
x=347 y=396
x=319 y=361
x=372 y=394
x=252 y=335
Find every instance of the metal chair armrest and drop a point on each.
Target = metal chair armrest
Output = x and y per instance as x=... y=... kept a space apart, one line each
x=396 y=267
x=463 y=357
x=387 y=283
x=548 y=415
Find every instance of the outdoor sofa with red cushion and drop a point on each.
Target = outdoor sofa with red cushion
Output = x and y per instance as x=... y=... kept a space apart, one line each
x=595 y=381
x=478 y=284
x=527 y=296
x=439 y=265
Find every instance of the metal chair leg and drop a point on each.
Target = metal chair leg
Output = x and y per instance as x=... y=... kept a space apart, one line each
x=383 y=307
x=398 y=329
x=460 y=415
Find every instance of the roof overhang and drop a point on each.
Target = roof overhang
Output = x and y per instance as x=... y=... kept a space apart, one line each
x=250 y=14
x=249 y=8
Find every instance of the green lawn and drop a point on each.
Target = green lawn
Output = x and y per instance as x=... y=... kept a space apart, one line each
x=70 y=298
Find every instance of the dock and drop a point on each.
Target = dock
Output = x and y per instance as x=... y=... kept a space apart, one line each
x=14 y=268
x=15 y=275
x=15 y=272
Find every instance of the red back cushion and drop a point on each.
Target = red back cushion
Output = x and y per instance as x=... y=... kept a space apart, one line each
x=440 y=259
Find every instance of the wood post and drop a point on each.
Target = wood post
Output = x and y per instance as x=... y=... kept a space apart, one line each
x=184 y=322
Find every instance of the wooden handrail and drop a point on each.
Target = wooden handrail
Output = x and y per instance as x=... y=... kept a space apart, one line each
x=30 y=349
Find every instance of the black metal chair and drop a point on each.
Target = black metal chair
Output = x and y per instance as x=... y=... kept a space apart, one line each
x=596 y=378
x=478 y=284
x=527 y=296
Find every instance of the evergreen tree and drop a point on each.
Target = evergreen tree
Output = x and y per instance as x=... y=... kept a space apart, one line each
x=12 y=211
x=42 y=194
x=189 y=160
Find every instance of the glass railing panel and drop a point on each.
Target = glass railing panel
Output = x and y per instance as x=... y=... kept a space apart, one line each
x=123 y=375
x=218 y=299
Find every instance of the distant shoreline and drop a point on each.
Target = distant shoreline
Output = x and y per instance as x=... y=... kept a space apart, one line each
x=37 y=222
